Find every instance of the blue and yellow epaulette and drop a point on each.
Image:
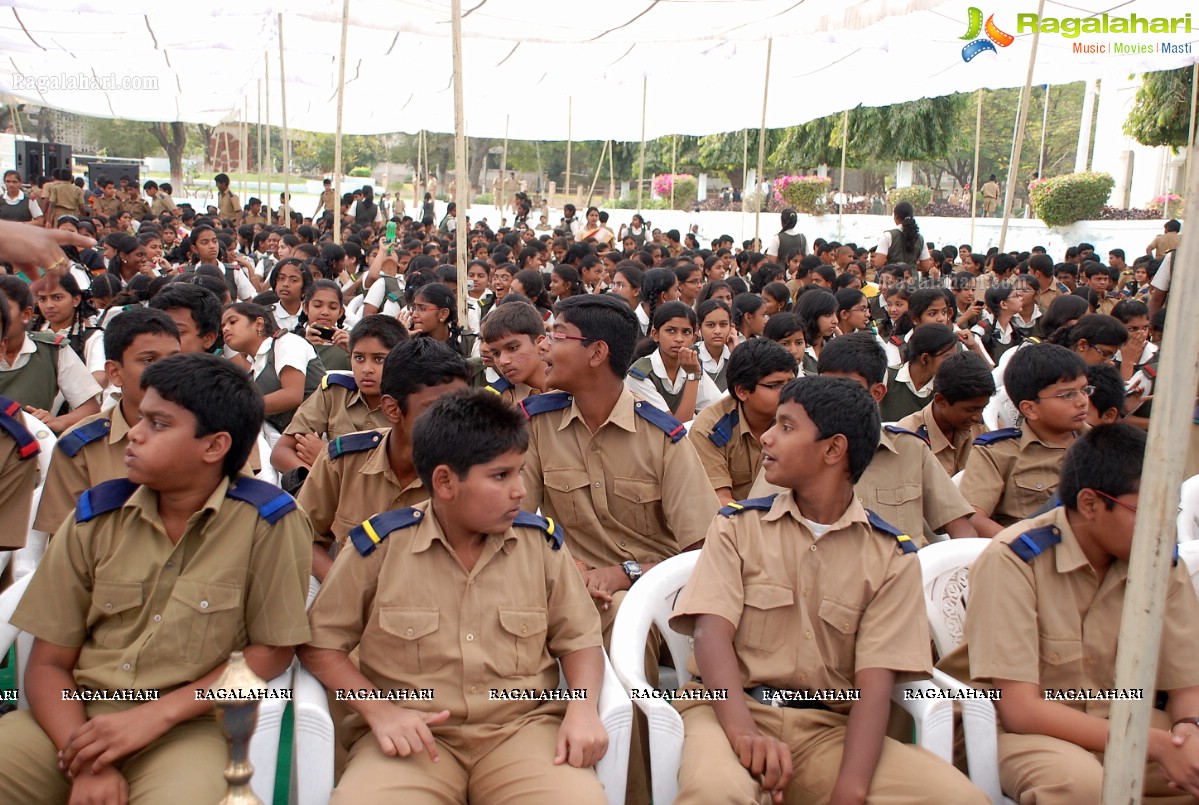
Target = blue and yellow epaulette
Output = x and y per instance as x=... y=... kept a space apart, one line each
x=922 y=432
x=1032 y=339
x=354 y=443
x=271 y=501
x=553 y=534
x=659 y=418
x=81 y=437
x=544 y=403
x=638 y=373
x=761 y=504
x=1001 y=435
x=499 y=386
x=339 y=379
x=722 y=431
x=373 y=531
x=27 y=445
x=905 y=542
x=103 y=498
x=1032 y=543
x=896 y=429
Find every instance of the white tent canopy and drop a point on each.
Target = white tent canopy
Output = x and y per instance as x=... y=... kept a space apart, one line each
x=702 y=60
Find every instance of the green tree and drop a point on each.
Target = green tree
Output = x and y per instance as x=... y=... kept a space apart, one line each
x=122 y=138
x=1161 y=113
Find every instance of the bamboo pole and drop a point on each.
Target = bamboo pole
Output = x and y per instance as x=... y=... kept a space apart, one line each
x=286 y=141
x=611 y=172
x=1013 y=171
x=1083 y=149
x=341 y=97
x=461 y=168
x=417 y=181
x=1191 y=131
x=570 y=111
x=844 y=150
x=258 y=133
x=1044 y=124
x=641 y=167
x=744 y=179
x=599 y=166
x=674 y=165
x=762 y=141
x=1154 y=541
x=503 y=191
x=270 y=167
x=978 y=133
x=243 y=133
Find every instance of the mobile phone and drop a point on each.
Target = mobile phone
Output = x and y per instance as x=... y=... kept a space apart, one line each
x=980 y=303
x=324 y=332
x=391 y=235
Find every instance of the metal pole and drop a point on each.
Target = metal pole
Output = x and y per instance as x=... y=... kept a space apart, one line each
x=844 y=149
x=641 y=167
x=978 y=132
x=286 y=142
x=461 y=169
x=502 y=201
x=1191 y=131
x=1021 y=123
x=1083 y=150
x=341 y=97
x=258 y=132
x=762 y=138
x=744 y=179
x=1154 y=541
x=1044 y=123
x=270 y=166
x=599 y=166
x=416 y=179
x=570 y=111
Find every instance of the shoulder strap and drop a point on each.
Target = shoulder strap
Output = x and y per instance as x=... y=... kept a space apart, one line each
x=271 y=501
x=722 y=431
x=905 y=542
x=53 y=339
x=1032 y=543
x=898 y=430
x=103 y=498
x=546 y=525
x=544 y=403
x=354 y=443
x=760 y=504
x=922 y=432
x=339 y=379
x=1003 y=434
x=27 y=445
x=641 y=369
x=74 y=441
x=660 y=419
x=373 y=531
x=499 y=386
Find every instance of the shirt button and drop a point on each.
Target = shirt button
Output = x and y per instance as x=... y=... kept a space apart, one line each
x=813 y=546
x=126 y=666
x=1038 y=486
x=410 y=632
x=597 y=484
x=204 y=604
x=157 y=618
x=170 y=564
x=108 y=606
x=622 y=545
x=470 y=581
x=469 y=638
x=807 y=635
x=474 y=689
x=524 y=629
x=1054 y=658
x=594 y=449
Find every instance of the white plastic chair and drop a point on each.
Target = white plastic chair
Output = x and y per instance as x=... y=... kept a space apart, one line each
x=25 y=560
x=650 y=603
x=944 y=568
x=957 y=479
x=264 y=446
x=45 y=440
x=991 y=414
x=1188 y=510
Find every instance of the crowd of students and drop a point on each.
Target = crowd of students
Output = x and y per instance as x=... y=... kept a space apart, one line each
x=845 y=406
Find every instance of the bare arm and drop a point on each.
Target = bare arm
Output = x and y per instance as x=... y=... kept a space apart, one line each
x=290 y=396
x=984 y=525
x=864 y=735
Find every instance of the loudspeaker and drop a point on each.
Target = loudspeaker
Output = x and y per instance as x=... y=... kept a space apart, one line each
x=36 y=159
x=99 y=171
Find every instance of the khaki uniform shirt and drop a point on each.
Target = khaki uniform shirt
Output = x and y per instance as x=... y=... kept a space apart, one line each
x=107 y=207
x=1163 y=243
x=991 y=191
x=334 y=411
x=251 y=218
x=951 y=455
x=137 y=208
x=160 y=204
x=420 y=620
x=68 y=478
x=342 y=492
x=228 y=205
x=67 y=199
x=150 y=615
x=18 y=477
x=736 y=463
x=1011 y=479
x=809 y=613
x=1052 y=622
x=1045 y=298
x=624 y=492
x=328 y=199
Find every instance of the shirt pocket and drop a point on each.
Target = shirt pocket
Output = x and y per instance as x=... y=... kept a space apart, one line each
x=1033 y=488
x=765 y=616
x=843 y=618
x=1061 y=660
x=114 y=609
x=899 y=504
x=636 y=503
x=412 y=640
x=566 y=490
x=518 y=645
x=206 y=620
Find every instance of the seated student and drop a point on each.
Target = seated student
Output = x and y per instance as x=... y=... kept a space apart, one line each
x=344 y=403
x=361 y=474
x=1063 y=574
x=727 y=433
x=1012 y=472
x=196 y=312
x=715 y=324
x=467 y=562
x=1099 y=279
x=668 y=373
x=1106 y=403
x=786 y=330
x=962 y=388
x=999 y=332
x=321 y=317
x=512 y=336
x=149 y=587
x=910 y=384
x=904 y=483
x=18 y=465
x=807 y=591
x=94 y=450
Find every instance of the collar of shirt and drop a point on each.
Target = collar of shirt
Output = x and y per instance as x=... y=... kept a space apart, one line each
x=1028 y=436
x=884 y=440
x=259 y=362
x=14 y=201
x=120 y=427
x=429 y=531
x=621 y=415
x=713 y=365
x=145 y=501
x=938 y=441
x=379 y=464
x=27 y=348
x=659 y=369
x=904 y=375
x=785 y=506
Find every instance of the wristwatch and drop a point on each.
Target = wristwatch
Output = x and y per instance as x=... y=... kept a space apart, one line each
x=692 y=376
x=631 y=569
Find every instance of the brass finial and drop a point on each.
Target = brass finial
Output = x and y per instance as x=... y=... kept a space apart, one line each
x=237 y=717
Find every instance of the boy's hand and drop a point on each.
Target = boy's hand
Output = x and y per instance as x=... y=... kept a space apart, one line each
x=309 y=447
x=404 y=732
x=766 y=758
x=106 y=787
x=841 y=797
x=1179 y=762
x=582 y=739
x=107 y=738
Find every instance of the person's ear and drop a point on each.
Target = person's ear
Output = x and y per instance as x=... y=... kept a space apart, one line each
x=1081 y=346
x=599 y=354
x=1028 y=409
x=216 y=446
x=391 y=409
x=1110 y=416
x=836 y=447
x=740 y=393
x=878 y=391
x=113 y=370
x=444 y=483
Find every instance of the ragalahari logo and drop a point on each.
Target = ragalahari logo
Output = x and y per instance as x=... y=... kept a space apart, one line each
x=993 y=37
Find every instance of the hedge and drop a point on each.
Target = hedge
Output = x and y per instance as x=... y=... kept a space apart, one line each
x=361 y=172
x=916 y=195
x=803 y=193
x=1062 y=200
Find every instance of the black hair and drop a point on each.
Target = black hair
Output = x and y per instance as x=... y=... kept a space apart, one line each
x=305 y=276
x=782 y=325
x=705 y=293
x=1042 y=264
x=656 y=282
x=463 y=430
x=1107 y=459
x=837 y=405
x=570 y=276
x=1038 y=366
x=1109 y=387
x=129 y=324
x=929 y=339
x=1066 y=268
x=221 y=397
x=847 y=298
x=84 y=310
x=1173 y=226
x=919 y=300
x=963 y=376
x=996 y=295
x=386 y=329
x=779 y=293
x=745 y=304
x=1096 y=328
x=533 y=283
x=904 y=213
x=418 y=363
x=310 y=290
x=754 y=360
x=5 y=313
x=709 y=305
x=1061 y=310
x=513 y=319
x=766 y=274
x=856 y=353
x=1128 y=309
x=810 y=307
x=435 y=293
x=604 y=317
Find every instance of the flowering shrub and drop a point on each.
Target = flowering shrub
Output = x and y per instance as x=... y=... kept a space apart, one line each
x=1062 y=200
x=685 y=187
x=804 y=193
x=916 y=195
x=1177 y=202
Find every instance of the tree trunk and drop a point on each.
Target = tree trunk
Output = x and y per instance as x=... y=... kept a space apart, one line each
x=173 y=146
x=736 y=178
x=206 y=138
x=479 y=146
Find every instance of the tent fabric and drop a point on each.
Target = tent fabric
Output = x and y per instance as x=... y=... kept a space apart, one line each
x=525 y=61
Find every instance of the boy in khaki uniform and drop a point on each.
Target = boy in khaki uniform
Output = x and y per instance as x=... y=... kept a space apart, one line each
x=228 y=206
x=1013 y=472
x=463 y=597
x=134 y=204
x=107 y=204
x=726 y=433
x=1046 y=599
x=94 y=450
x=148 y=589
x=18 y=472
x=808 y=591
x=962 y=387
x=513 y=333
x=362 y=474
